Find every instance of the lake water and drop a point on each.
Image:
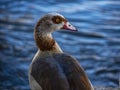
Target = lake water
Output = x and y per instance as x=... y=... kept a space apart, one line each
x=96 y=45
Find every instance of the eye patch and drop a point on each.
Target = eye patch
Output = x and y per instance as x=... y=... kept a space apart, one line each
x=58 y=19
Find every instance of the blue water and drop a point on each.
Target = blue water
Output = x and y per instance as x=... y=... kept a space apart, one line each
x=96 y=45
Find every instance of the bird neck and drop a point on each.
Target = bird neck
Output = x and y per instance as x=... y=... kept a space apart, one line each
x=46 y=43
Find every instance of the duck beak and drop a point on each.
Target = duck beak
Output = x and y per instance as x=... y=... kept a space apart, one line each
x=68 y=26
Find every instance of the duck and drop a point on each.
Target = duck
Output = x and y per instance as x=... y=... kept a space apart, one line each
x=51 y=68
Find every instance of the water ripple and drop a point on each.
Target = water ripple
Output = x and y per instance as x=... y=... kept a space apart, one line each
x=97 y=41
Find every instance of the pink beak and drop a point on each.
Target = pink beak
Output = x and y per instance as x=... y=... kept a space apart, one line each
x=68 y=26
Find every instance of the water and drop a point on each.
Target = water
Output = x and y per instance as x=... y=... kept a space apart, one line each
x=96 y=45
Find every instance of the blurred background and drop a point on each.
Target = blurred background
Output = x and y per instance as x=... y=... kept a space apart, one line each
x=96 y=45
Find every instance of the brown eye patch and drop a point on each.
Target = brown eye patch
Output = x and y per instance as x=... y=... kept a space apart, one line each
x=58 y=19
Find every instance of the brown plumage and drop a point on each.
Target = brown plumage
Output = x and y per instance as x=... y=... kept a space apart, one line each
x=58 y=19
x=44 y=44
x=51 y=69
x=60 y=72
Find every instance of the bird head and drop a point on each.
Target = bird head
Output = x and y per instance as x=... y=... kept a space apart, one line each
x=54 y=21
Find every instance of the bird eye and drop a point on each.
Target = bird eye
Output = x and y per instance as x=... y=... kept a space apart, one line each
x=56 y=19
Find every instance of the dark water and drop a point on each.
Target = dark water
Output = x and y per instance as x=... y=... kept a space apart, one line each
x=96 y=45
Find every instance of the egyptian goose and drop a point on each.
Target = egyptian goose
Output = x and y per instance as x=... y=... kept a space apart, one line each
x=51 y=69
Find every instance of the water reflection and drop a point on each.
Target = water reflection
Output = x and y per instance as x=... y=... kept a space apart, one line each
x=97 y=42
